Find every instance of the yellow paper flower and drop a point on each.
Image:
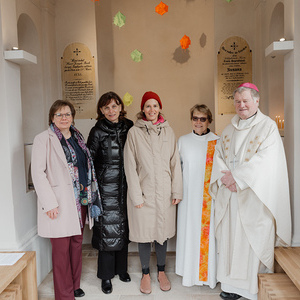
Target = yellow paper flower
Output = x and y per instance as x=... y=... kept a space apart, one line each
x=127 y=99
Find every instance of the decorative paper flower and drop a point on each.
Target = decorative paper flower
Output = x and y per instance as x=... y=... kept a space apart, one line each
x=228 y=1
x=136 y=55
x=119 y=19
x=161 y=8
x=185 y=42
x=127 y=99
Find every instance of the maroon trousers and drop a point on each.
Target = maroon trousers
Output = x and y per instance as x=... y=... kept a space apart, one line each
x=67 y=263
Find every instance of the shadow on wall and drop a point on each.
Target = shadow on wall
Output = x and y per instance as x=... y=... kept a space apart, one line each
x=27 y=152
x=181 y=56
x=202 y=40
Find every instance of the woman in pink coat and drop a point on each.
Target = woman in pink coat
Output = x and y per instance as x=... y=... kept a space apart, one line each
x=67 y=192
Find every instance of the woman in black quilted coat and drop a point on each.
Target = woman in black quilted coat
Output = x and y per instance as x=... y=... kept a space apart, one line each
x=110 y=235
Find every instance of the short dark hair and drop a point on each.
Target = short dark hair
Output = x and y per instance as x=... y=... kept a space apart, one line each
x=202 y=108
x=105 y=99
x=58 y=104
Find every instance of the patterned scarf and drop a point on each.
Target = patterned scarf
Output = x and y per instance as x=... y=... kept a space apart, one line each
x=93 y=195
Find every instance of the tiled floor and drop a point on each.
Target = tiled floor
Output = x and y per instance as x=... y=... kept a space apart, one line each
x=127 y=291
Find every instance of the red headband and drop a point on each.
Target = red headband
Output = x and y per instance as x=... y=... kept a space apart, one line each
x=249 y=85
x=150 y=95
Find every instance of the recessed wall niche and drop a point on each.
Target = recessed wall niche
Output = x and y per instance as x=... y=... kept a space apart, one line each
x=275 y=67
x=31 y=89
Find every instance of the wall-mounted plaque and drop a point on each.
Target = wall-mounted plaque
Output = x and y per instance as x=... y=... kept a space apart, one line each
x=234 y=68
x=78 y=79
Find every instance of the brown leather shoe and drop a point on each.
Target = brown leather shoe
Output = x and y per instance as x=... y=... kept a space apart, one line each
x=145 y=286
x=164 y=282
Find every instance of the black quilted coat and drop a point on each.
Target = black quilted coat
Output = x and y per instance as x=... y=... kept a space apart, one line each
x=106 y=143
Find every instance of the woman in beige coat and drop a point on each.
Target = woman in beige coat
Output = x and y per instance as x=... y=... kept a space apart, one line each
x=67 y=191
x=153 y=173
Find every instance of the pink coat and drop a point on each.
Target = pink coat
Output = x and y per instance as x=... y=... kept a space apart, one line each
x=54 y=188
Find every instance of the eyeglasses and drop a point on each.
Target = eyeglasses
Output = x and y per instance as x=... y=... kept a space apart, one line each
x=201 y=119
x=60 y=116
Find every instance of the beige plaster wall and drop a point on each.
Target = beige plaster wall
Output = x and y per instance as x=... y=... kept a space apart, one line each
x=236 y=18
x=252 y=21
x=180 y=85
x=75 y=22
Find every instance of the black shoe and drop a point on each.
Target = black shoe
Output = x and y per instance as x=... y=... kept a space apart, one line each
x=229 y=296
x=106 y=286
x=79 y=293
x=125 y=277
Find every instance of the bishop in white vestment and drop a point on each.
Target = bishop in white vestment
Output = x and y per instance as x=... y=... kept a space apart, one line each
x=249 y=183
x=195 y=247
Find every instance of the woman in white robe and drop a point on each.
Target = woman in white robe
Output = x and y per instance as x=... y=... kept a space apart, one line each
x=195 y=247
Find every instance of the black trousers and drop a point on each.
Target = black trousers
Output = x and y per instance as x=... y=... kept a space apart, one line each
x=111 y=263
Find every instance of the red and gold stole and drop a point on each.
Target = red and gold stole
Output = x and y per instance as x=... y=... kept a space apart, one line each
x=206 y=211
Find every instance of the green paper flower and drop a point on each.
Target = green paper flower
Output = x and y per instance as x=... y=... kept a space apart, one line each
x=119 y=19
x=136 y=55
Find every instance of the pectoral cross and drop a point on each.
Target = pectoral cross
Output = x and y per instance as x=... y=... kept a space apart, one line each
x=233 y=162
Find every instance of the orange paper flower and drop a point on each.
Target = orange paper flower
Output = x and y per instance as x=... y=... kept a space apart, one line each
x=161 y=8
x=185 y=42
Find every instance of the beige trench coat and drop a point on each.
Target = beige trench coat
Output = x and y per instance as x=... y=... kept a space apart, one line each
x=154 y=178
x=54 y=188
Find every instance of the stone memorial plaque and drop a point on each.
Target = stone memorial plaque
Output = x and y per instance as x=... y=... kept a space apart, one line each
x=78 y=79
x=234 y=68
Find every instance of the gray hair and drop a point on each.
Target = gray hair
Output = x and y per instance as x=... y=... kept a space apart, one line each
x=254 y=94
x=203 y=109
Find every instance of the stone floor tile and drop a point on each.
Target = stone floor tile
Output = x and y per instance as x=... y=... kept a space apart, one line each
x=131 y=290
